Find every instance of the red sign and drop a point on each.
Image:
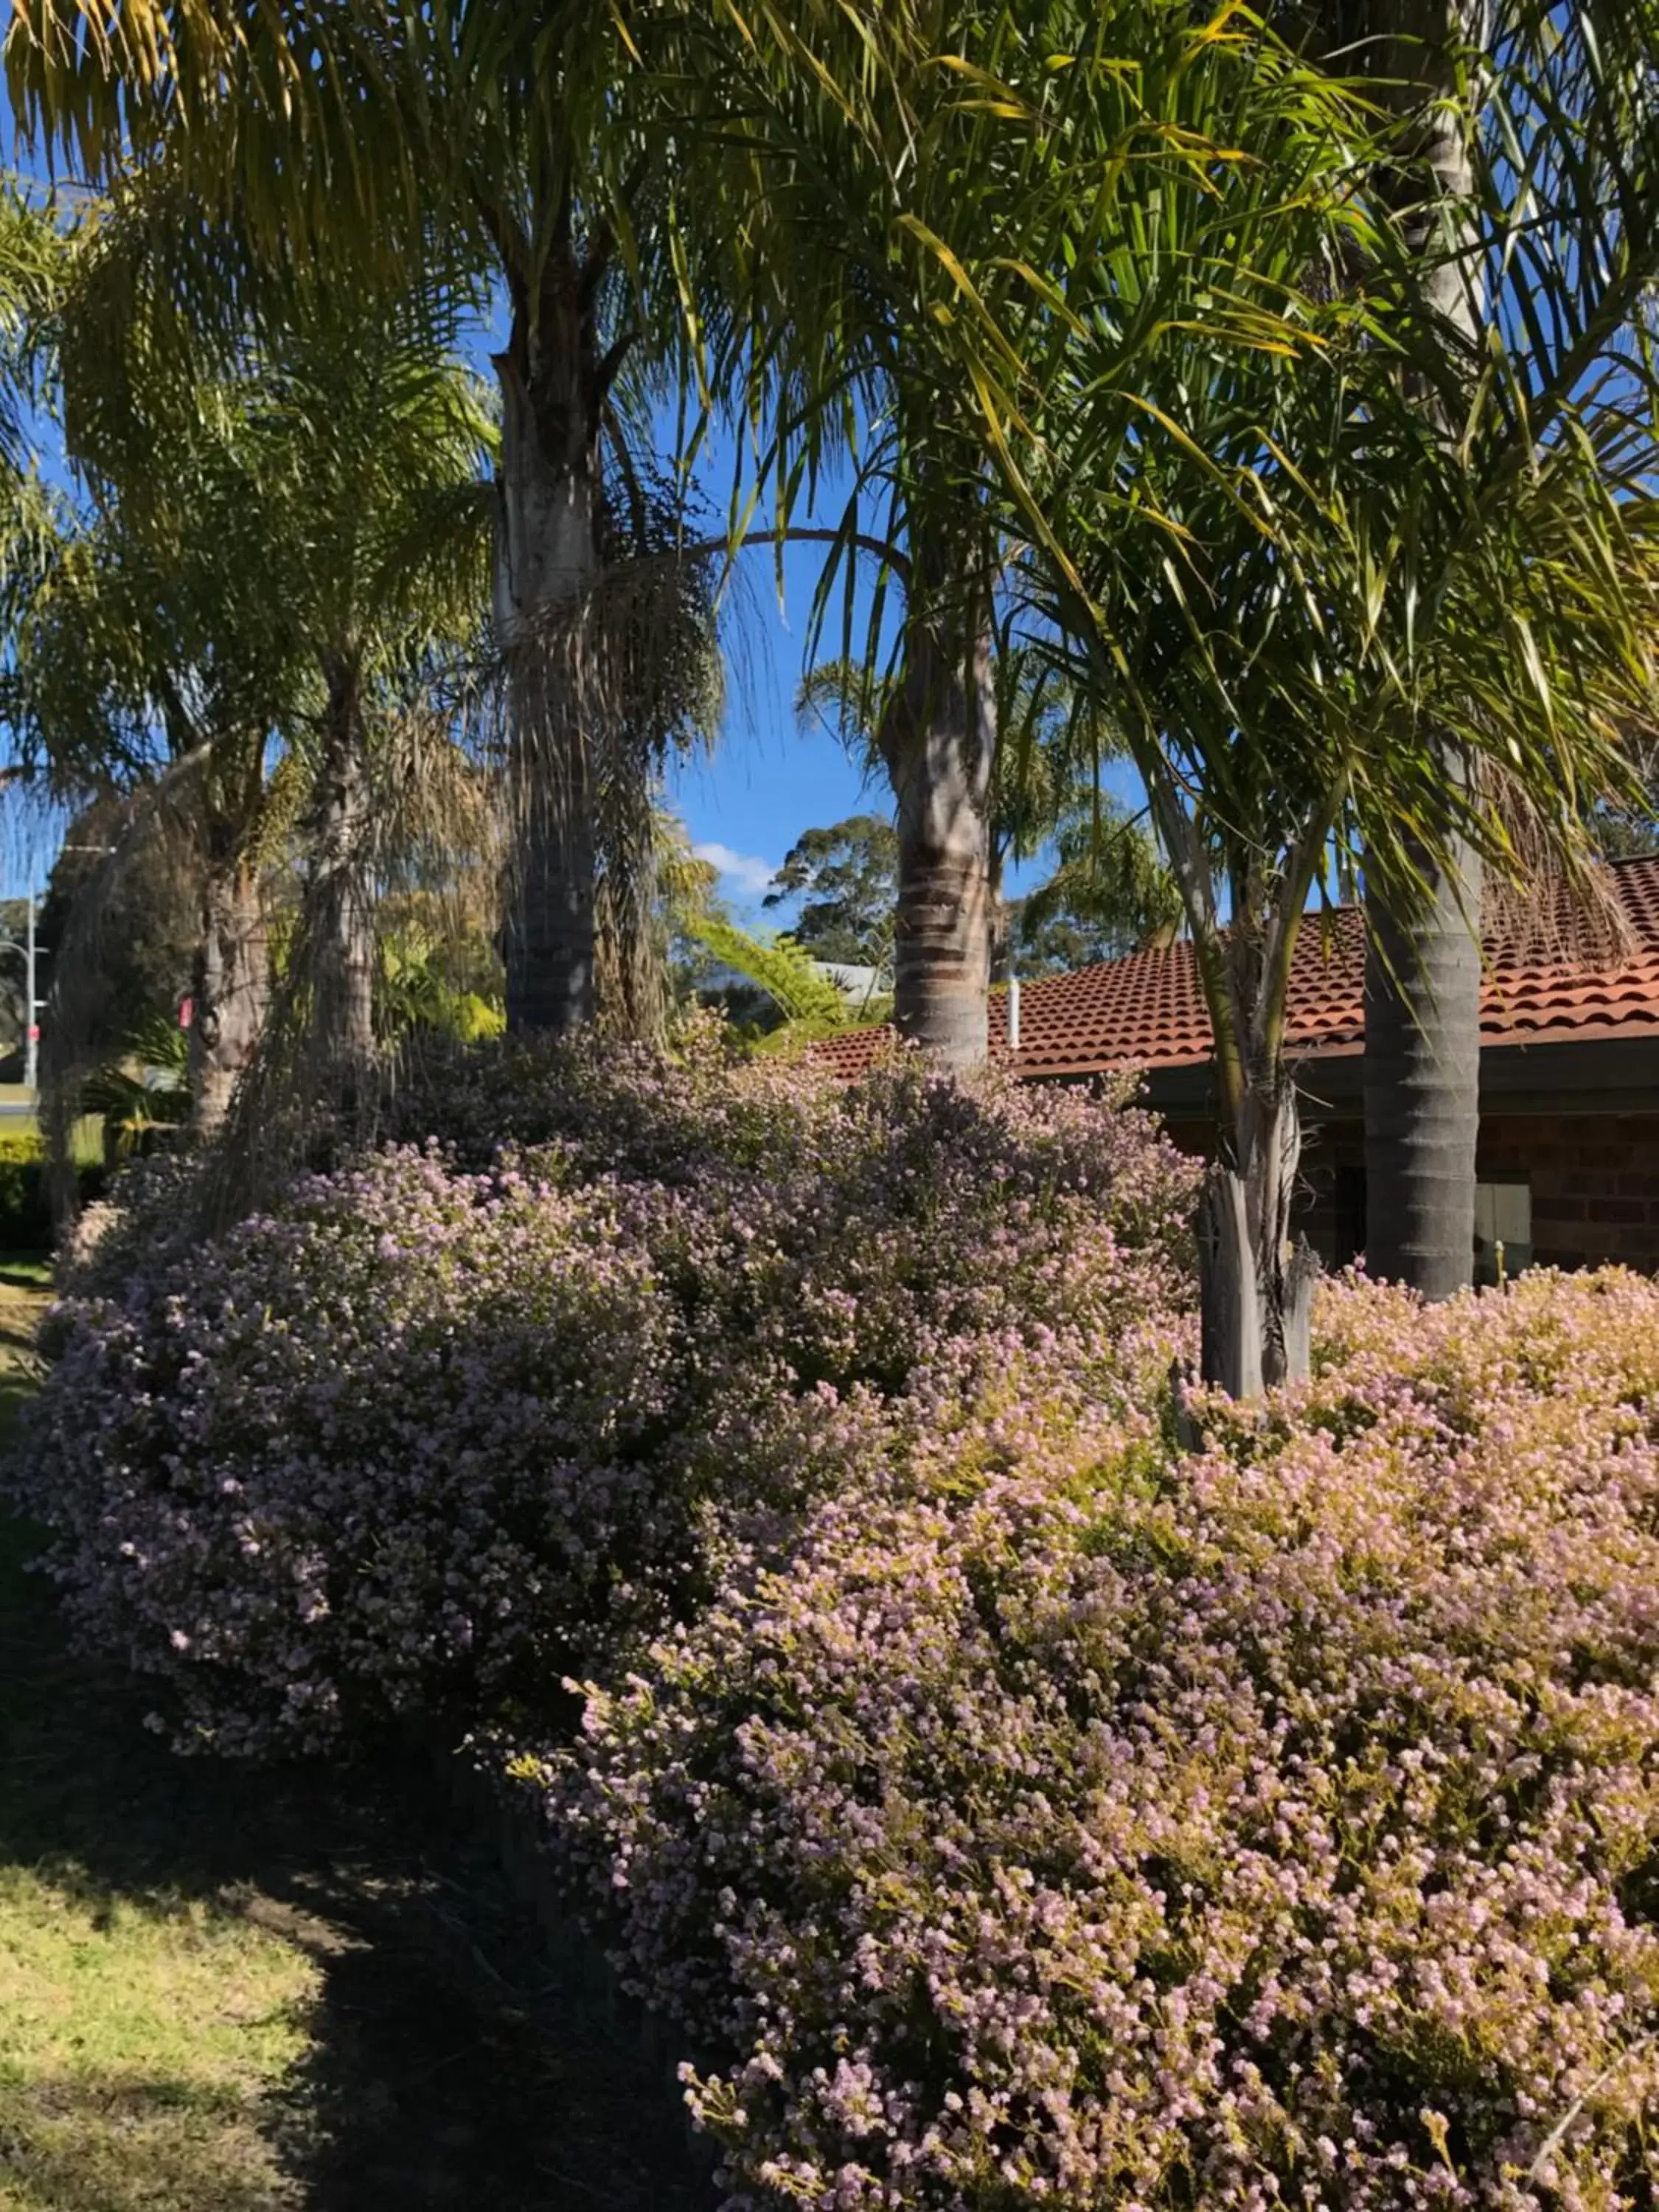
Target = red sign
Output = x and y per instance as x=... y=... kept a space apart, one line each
x=186 y=1008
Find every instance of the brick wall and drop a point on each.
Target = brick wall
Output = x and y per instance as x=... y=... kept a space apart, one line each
x=1595 y=1182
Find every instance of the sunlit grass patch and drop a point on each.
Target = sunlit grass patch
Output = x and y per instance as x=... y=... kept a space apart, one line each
x=140 y=2039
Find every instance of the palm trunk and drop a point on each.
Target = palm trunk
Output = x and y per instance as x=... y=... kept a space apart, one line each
x=339 y=928
x=547 y=561
x=1422 y=1080
x=1255 y=1285
x=232 y=991
x=1422 y=1069
x=940 y=742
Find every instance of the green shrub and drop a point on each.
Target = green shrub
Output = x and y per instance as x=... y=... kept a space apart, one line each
x=25 y=1193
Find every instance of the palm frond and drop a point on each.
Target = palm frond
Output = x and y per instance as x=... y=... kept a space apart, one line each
x=777 y=965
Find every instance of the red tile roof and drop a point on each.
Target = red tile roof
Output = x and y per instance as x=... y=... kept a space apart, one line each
x=1544 y=983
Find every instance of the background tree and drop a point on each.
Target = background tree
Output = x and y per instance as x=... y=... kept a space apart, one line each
x=1631 y=830
x=1110 y=893
x=149 y=917
x=768 y=985
x=845 y=878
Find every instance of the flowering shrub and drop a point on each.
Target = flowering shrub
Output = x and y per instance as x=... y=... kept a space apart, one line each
x=429 y=1436
x=1279 y=1824
x=384 y=1450
x=625 y=1109
x=144 y=1220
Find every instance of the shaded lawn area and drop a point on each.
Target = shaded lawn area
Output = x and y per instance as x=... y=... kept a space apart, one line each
x=224 y=1989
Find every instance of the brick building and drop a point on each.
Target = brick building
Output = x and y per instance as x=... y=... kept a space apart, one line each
x=1567 y=1166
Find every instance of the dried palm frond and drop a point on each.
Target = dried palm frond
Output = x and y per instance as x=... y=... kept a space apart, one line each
x=158 y=827
x=599 y=697
x=429 y=827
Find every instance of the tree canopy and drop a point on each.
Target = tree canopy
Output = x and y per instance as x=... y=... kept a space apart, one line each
x=1265 y=403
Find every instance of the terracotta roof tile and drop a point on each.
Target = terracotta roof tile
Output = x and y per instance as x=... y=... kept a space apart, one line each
x=1546 y=980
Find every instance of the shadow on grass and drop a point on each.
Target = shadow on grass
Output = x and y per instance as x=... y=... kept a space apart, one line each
x=439 y=2067
x=135 y=2146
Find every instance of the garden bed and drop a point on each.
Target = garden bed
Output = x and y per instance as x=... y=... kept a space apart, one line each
x=996 y=1802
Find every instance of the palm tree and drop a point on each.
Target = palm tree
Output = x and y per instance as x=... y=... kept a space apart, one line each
x=463 y=145
x=834 y=169
x=269 y=560
x=1322 y=593
x=366 y=436
x=1422 y=1073
x=838 y=277
x=148 y=661
x=1463 y=109
x=910 y=273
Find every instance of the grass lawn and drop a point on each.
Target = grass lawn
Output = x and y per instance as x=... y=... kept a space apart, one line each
x=230 y=1991
x=88 y=1130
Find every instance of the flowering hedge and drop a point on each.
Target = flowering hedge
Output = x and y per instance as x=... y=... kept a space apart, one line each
x=1278 y=1824
x=438 y=1431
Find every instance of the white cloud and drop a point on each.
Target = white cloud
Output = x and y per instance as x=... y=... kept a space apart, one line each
x=743 y=869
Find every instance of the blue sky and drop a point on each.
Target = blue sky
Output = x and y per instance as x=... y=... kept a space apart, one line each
x=770 y=776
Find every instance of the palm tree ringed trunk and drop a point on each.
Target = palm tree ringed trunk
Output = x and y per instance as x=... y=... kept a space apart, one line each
x=1255 y=1279
x=547 y=561
x=1422 y=1061
x=232 y=994
x=938 y=738
x=1422 y=1082
x=339 y=929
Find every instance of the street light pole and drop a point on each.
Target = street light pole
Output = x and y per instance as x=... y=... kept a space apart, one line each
x=33 y=954
x=31 y=1025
